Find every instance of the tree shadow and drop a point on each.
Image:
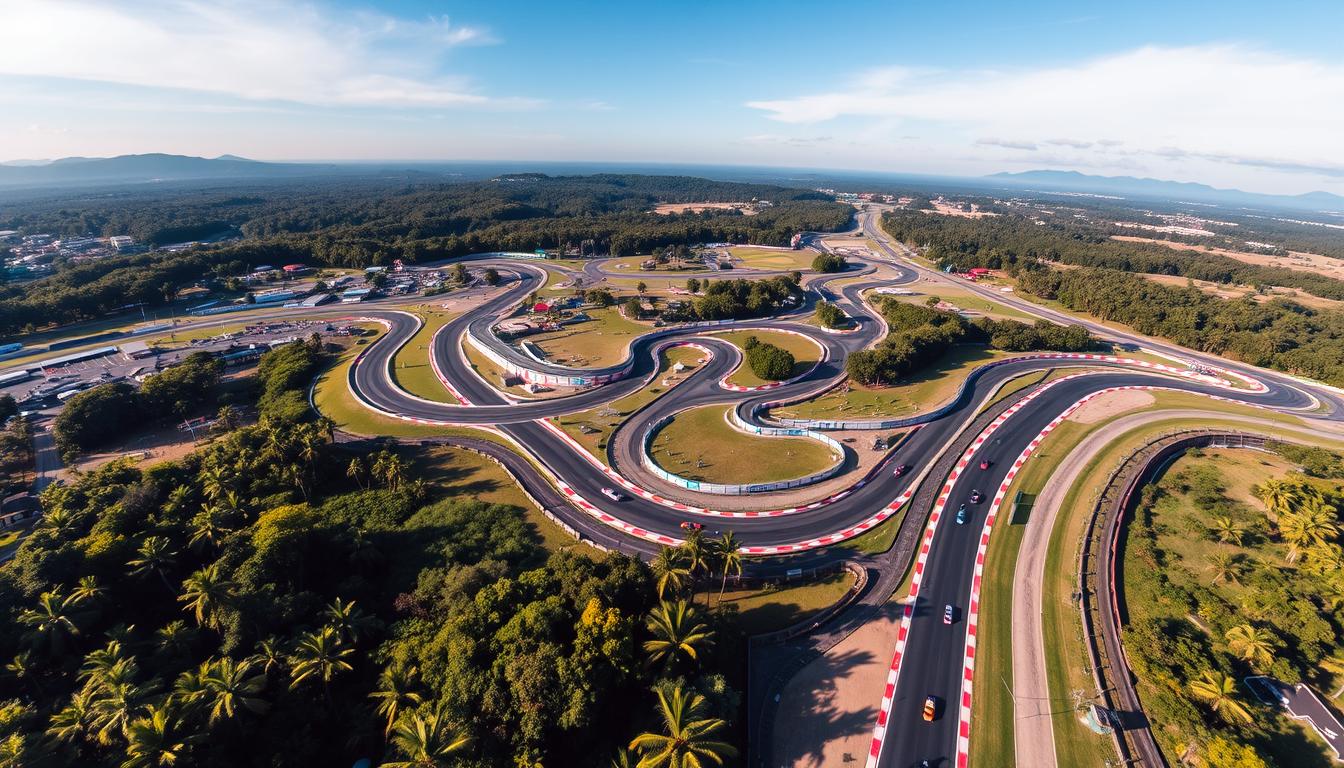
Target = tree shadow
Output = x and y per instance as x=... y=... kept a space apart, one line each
x=820 y=715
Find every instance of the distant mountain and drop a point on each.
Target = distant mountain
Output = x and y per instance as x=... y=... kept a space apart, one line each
x=1158 y=189
x=129 y=169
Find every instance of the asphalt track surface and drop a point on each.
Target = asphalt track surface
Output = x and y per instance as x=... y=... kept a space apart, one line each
x=932 y=662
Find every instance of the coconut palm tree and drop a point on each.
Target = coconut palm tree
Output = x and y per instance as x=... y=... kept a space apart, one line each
x=1228 y=531
x=114 y=706
x=426 y=740
x=319 y=654
x=74 y=720
x=207 y=593
x=191 y=689
x=1310 y=524
x=1278 y=495
x=396 y=693
x=688 y=741
x=270 y=655
x=677 y=633
x=207 y=530
x=355 y=471
x=234 y=685
x=21 y=667
x=1251 y=644
x=669 y=567
x=729 y=552
x=697 y=557
x=155 y=740
x=51 y=623
x=155 y=556
x=1219 y=691
x=1225 y=566
x=349 y=621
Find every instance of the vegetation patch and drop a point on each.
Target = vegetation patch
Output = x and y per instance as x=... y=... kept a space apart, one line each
x=700 y=445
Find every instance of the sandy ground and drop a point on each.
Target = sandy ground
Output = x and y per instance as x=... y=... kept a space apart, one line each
x=948 y=209
x=147 y=448
x=830 y=706
x=667 y=208
x=1110 y=404
x=1034 y=739
x=1223 y=291
x=1306 y=262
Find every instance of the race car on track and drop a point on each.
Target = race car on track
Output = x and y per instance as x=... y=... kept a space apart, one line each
x=930 y=709
x=961 y=515
x=986 y=464
x=687 y=525
x=613 y=494
x=947 y=614
x=901 y=469
x=976 y=497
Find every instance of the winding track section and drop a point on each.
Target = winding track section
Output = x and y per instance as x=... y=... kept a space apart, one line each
x=931 y=658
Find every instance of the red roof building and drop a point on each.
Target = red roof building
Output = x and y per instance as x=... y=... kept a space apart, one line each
x=541 y=307
x=294 y=269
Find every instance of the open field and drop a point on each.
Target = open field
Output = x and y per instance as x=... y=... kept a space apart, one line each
x=916 y=394
x=1225 y=291
x=768 y=610
x=963 y=298
x=1305 y=262
x=631 y=265
x=411 y=366
x=700 y=445
x=747 y=209
x=599 y=342
x=601 y=422
x=771 y=258
x=805 y=354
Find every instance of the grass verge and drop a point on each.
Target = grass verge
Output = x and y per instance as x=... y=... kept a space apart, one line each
x=700 y=445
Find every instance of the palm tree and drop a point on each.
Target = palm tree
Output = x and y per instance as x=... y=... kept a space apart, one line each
x=1228 y=530
x=1311 y=524
x=426 y=740
x=1334 y=665
x=624 y=758
x=87 y=591
x=114 y=707
x=154 y=741
x=1219 y=691
x=1250 y=644
x=669 y=566
x=319 y=654
x=74 y=720
x=191 y=690
x=1278 y=495
x=215 y=481
x=178 y=499
x=390 y=468
x=396 y=693
x=1225 y=566
x=156 y=556
x=50 y=623
x=729 y=551
x=677 y=632
x=206 y=594
x=232 y=685
x=688 y=741
x=355 y=471
x=348 y=620
x=175 y=638
x=227 y=418
x=270 y=655
x=21 y=667
x=697 y=555
x=207 y=529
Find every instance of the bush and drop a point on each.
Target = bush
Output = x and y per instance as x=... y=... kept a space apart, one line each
x=768 y=361
x=95 y=417
x=829 y=262
x=284 y=373
x=831 y=316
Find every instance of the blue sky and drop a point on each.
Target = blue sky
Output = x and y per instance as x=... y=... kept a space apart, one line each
x=1230 y=93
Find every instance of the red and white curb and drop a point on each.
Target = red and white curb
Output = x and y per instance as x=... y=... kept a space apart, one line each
x=973 y=604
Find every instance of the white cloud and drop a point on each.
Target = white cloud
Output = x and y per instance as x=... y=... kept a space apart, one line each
x=251 y=49
x=1223 y=104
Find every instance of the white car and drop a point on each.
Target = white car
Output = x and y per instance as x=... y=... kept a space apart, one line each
x=947 y=614
x=613 y=494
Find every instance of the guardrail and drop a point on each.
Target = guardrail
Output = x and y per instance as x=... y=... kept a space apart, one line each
x=724 y=489
x=1099 y=604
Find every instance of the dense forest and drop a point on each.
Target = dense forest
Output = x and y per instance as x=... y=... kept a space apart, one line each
x=277 y=599
x=1012 y=241
x=1277 y=334
x=359 y=225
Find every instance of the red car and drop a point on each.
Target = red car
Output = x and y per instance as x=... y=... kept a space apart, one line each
x=986 y=464
x=687 y=525
x=900 y=469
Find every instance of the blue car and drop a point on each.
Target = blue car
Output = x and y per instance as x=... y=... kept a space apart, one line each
x=961 y=515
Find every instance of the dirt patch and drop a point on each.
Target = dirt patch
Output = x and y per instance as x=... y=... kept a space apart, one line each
x=1305 y=262
x=1111 y=404
x=1224 y=291
x=827 y=711
x=953 y=208
x=664 y=209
